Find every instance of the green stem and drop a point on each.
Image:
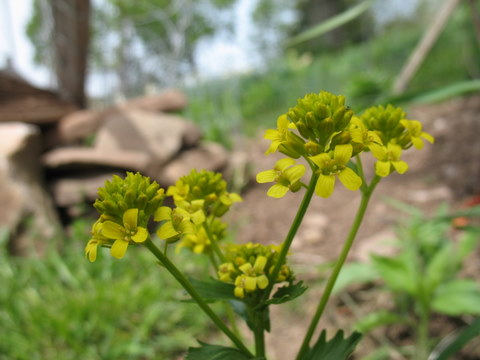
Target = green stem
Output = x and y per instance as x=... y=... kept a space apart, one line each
x=422 y=347
x=214 y=243
x=338 y=266
x=361 y=173
x=259 y=334
x=291 y=234
x=196 y=296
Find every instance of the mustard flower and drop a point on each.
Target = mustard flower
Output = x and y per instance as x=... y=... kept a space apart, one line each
x=125 y=234
x=329 y=168
x=97 y=239
x=365 y=138
x=389 y=160
x=286 y=176
x=279 y=135
x=414 y=129
x=176 y=222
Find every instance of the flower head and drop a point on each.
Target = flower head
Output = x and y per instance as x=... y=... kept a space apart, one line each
x=333 y=164
x=176 y=222
x=414 y=129
x=248 y=268
x=98 y=239
x=389 y=160
x=124 y=234
x=286 y=176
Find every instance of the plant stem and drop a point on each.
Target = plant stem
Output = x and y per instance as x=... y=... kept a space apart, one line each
x=214 y=243
x=291 y=234
x=422 y=346
x=338 y=266
x=196 y=296
x=259 y=334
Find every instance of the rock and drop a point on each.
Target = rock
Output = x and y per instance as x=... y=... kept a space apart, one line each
x=160 y=136
x=74 y=128
x=27 y=210
x=208 y=156
x=170 y=100
x=74 y=190
x=71 y=158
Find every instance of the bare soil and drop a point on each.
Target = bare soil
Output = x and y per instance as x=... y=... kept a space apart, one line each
x=448 y=171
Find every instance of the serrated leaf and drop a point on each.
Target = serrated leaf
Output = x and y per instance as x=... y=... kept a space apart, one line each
x=441 y=267
x=215 y=352
x=397 y=273
x=376 y=319
x=354 y=273
x=287 y=293
x=337 y=348
x=457 y=297
x=212 y=290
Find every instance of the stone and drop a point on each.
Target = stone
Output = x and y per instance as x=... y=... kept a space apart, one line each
x=160 y=136
x=75 y=158
x=208 y=156
x=77 y=126
x=170 y=100
x=27 y=209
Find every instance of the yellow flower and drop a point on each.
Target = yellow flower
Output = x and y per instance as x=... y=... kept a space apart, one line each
x=330 y=167
x=364 y=137
x=177 y=222
x=279 y=135
x=252 y=277
x=97 y=239
x=389 y=159
x=414 y=129
x=285 y=175
x=123 y=235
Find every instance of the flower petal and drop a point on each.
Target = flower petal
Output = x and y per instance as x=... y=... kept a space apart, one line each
x=282 y=164
x=119 y=248
x=382 y=168
x=295 y=173
x=130 y=218
x=378 y=151
x=141 y=235
x=325 y=185
x=417 y=142
x=350 y=179
x=167 y=231
x=400 y=166
x=266 y=176
x=282 y=122
x=277 y=191
x=321 y=160
x=428 y=137
x=163 y=213
x=343 y=153
x=113 y=230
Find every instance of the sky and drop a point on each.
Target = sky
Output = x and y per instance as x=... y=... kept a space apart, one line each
x=229 y=55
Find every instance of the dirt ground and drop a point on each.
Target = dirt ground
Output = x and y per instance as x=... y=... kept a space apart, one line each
x=448 y=171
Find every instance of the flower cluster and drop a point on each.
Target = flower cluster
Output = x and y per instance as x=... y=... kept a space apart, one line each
x=248 y=268
x=323 y=131
x=125 y=207
x=201 y=199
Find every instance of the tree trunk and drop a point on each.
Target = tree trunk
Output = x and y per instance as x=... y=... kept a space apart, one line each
x=71 y=37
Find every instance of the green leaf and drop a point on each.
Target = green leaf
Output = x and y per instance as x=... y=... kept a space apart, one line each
x=397 y=273
x=331 y=23
x=467 y=334
x=467 y=243
x=214 y=352
x=212 y=290
x=447 y=92
x=378 y=318
x=337 y=348
x=441 y=267
x=457 y=297
x=355 y=273
x=287 y=293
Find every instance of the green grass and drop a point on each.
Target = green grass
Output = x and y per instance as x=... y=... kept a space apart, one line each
x=60 y=306
x=248 y=103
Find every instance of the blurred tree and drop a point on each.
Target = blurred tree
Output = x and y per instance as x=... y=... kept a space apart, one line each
x=69 y=25
x=140 y=42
